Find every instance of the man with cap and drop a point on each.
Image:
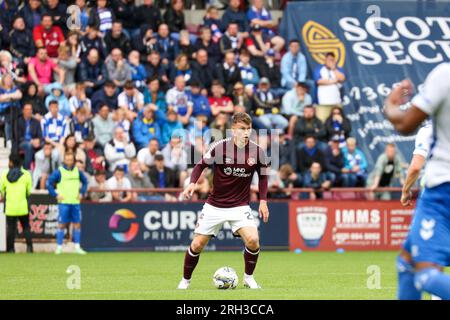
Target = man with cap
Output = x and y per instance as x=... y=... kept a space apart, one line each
x=267 y=106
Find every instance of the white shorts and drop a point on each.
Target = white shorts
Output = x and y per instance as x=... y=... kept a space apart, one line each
x=211 y=219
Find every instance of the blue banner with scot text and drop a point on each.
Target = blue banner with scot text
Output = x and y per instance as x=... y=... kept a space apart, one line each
x=377 y=43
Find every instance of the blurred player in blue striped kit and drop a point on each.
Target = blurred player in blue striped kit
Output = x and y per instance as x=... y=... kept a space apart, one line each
x=427 y=249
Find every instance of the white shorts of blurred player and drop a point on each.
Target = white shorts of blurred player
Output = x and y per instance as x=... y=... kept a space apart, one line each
x=211 y=219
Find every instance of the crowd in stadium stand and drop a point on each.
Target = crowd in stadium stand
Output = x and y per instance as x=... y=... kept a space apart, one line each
x=131 y=90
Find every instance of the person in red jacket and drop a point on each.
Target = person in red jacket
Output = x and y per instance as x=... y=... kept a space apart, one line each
x=48 y=36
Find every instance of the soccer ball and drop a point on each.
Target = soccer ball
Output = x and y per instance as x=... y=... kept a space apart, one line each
x=225 y=278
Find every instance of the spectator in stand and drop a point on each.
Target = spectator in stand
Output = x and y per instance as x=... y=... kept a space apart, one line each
x=58 y=11
x=153 y=96
x=125 y=12
x=185 y=45
x=140 y=180
x=71 y=146
x=116 y=38
x=179 y=100
x=32 y=12
x=228 y=73
x=285 y=178
x=98 y=181
x=144 y=42
x=337 y=125
x=9 y=66
x=308 y=154
x=54 y=125
x=274 y=73
x=119 y=151
x=294 y=102
x=354 y=173
x=30 y=95
x=218 y=102
x=145 y=128
x=56 y=93
x=92 y=40
x=45 y=162
x=10 y=96
x=117 y=67
x=241 y=100
x=120 y=120
x=30 y=135
x=181 y=67
x=84 y=15
x=317 y=180
x=309 y=125
x=106 y=95
x=103 y=125
x=286 y=149
x=101 y=17
x=119 y=182
x=73 y=43
x=203 y=70
x=94 y=153
x=162 y=176
x=206 y=43
x=138 y=73
x=199 y=129
x=220 y=125
x=267 y=107
x=387 y=170
x=170 y=127
x=259 y=46
x=68 y=64
x=232 y=40
x=80 y=100
x=81 y=126
x=148 y=14
x=334 y=161
x=146 y=156
x=200 y=102
x=41 y=69
x=48 y=36
x=329 y=80
x=249 y=74
x=91 y=72
x=177 y=157
x=233 y=14
x=293 y=66
x=212 y=21
x=174 y=18
x=131 y=100
x=259 y=15
x=165 y=45
x=21 y=41
x=156 y=69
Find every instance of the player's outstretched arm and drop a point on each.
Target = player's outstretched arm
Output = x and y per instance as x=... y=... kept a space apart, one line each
x=414 y=169
x=263 y=211
x=189 y=191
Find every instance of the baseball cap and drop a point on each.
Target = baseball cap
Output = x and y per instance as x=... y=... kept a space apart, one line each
x=264 y=80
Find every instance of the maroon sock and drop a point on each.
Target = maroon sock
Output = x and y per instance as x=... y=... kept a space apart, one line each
x=190 y=262
x=250 y=258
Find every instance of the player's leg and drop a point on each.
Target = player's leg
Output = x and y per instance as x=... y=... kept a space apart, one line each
x=75 y=214
x=249 y=235
x=209 y=224
x=25 y=223
x=63 y=220
x=405 y=275
x=11 y=223
x=430 y=235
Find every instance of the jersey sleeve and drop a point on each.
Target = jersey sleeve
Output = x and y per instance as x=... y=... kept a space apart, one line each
x=435 y=91
x=423 y=141
x=263 y=174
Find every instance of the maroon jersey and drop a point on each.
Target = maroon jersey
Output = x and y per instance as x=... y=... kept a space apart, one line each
x=233 y=169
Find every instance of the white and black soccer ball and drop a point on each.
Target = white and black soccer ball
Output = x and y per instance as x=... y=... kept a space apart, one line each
x=225 y=278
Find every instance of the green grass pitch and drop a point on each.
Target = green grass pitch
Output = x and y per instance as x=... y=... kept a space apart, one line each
x=155 y=275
